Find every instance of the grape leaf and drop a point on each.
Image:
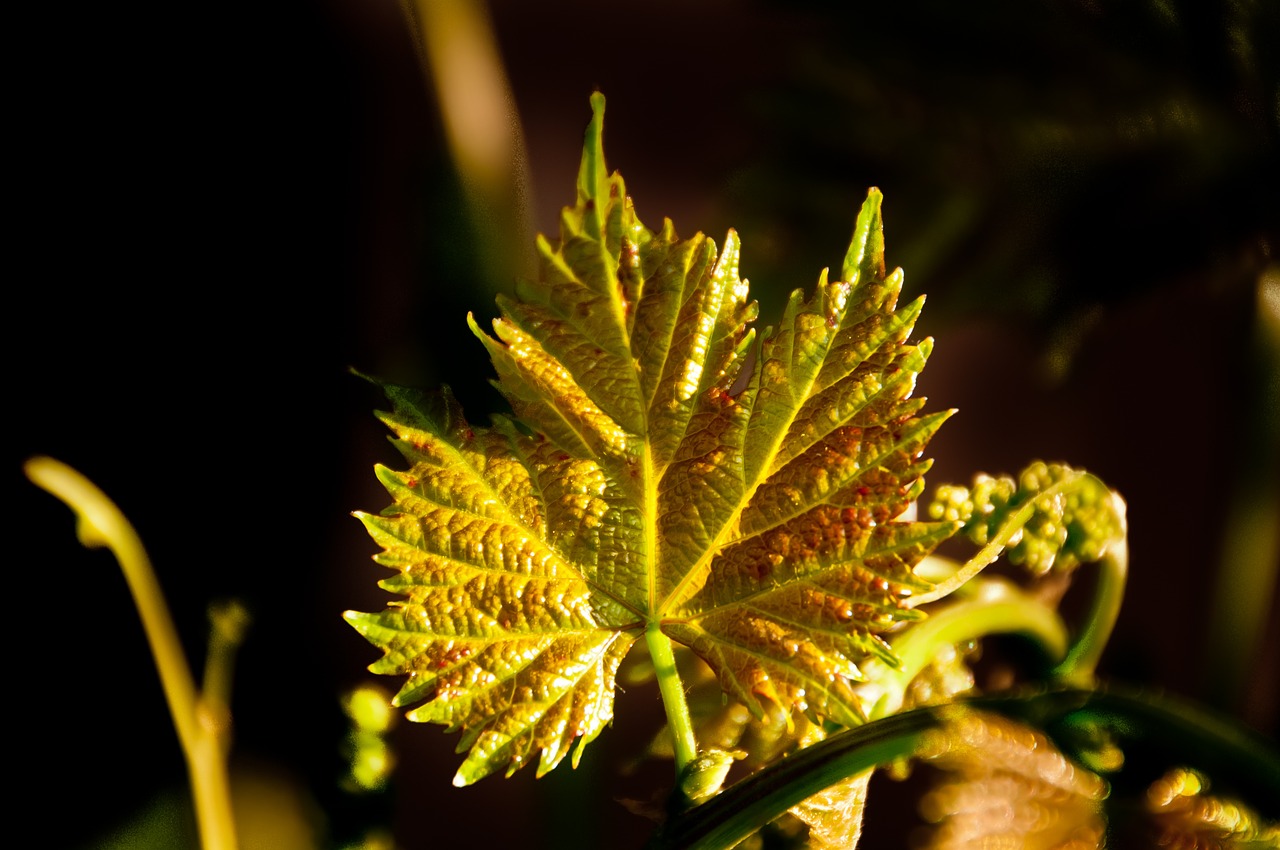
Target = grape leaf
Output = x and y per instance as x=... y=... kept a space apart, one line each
x=663 y=469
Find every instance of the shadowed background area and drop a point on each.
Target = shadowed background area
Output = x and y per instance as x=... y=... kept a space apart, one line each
x=219 y=211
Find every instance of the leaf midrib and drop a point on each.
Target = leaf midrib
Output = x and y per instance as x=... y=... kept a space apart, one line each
x=704 y=561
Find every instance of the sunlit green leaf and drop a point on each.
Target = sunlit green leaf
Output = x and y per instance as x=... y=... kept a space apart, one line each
x=663 y=466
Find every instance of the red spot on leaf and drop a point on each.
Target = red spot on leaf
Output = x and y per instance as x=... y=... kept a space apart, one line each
x=453 y=656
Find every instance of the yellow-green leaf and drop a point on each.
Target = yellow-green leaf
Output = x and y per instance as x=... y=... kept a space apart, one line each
x=664 y=468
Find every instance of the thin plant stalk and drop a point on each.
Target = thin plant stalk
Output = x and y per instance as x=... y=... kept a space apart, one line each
x=1078 y=667
x=201 y=725
x=459 y=54
x=227 y=624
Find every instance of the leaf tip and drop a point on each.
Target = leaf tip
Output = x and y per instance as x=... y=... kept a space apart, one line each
x=591 y=172
x=866 y=248
x=364 y=625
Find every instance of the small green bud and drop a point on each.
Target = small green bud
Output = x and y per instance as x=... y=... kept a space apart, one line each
x=706 y=773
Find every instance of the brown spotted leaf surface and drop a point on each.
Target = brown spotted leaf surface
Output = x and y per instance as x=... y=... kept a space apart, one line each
x=663 y=466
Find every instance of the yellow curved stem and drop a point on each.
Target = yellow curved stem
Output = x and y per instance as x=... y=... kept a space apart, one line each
x=202 y=724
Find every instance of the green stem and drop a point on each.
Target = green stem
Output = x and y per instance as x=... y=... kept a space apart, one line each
x=672 y=689
x=1082 y=659
x=1000 y=609
x=227 y=622
x=201 y=728
x=1185 y=733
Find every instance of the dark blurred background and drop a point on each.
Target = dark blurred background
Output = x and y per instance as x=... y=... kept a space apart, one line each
x=217 y=210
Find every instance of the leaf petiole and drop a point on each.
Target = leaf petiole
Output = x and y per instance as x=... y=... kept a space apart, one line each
x=673 y=700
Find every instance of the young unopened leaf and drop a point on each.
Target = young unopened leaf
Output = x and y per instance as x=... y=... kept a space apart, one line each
x=663 y=469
